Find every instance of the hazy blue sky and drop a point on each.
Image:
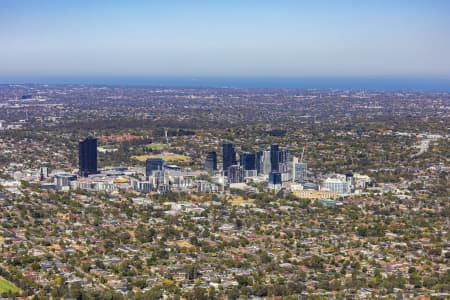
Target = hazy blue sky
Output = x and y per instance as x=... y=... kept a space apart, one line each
x=225 y=38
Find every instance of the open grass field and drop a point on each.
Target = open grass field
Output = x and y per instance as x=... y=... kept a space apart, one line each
x=6 y=286
x=172 y=158
x=238 y=200
x=157 y=147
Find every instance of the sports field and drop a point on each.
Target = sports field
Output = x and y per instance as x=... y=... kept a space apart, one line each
x=173 y=158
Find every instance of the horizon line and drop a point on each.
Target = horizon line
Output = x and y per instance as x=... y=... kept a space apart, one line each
x=390 y=83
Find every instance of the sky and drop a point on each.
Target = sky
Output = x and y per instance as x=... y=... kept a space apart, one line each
x=232 y=38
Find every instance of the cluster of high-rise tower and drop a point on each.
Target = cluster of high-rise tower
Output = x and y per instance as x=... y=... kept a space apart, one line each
x=276 y=163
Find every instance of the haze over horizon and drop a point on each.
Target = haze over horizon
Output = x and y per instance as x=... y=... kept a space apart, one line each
x=239 y=39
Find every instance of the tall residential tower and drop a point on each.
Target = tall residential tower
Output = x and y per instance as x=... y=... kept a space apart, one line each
x=229 y=157
x=88 y=156
x=274 y=157
x=211 y=162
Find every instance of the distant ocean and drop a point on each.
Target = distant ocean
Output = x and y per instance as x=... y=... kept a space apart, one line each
x=387 y=84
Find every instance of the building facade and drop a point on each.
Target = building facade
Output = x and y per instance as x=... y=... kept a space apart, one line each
x=87 y=156
x=300 y=172
x=275 y=178
x=211 y=162
x=274 y=157
x=263 y=162
x=155 y=171
x=236 y=174
x=228 y=156
x=337 y=184
x=248 y=161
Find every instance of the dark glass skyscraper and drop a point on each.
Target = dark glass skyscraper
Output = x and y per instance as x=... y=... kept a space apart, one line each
x=248 y=161
x=211 y=162
x=87 y=156
x=154 y=165
x=275 y=178
x=274 y=157
x=229 y=156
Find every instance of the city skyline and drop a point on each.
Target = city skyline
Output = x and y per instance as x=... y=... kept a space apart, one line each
x=227 y=150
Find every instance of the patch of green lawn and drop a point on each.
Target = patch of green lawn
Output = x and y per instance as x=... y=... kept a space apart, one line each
x=157 y=147
x=6 y=286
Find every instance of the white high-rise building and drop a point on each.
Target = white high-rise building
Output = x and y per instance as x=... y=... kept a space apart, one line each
x=337 y=184
x=141 y=186
x=264 y=162
x=63 y=180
